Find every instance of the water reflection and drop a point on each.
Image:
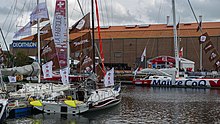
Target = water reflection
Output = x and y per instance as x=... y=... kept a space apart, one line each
x=146 y=105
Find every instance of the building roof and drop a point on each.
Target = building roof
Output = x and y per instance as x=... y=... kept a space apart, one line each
x=151 y=31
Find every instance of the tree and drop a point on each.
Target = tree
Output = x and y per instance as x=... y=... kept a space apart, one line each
x=22 y=59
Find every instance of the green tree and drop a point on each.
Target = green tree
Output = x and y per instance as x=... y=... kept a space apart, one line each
x=22 y=59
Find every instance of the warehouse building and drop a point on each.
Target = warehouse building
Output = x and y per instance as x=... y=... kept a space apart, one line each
x=123 y=45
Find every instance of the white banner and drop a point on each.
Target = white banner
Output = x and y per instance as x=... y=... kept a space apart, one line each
x=12 y=79
x=143 y=55
x=26 y=30
x=64 y=73
x=39 y=12
x=47 y=69
x=60 y=32
x=109 y=78
x=60 y=22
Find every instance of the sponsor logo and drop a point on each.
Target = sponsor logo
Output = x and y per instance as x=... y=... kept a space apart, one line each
x=24 y=44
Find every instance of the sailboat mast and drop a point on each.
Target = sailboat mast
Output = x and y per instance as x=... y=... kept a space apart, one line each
x=38 y=48
x=176 y=49
x=93 y=36
x=68 y=39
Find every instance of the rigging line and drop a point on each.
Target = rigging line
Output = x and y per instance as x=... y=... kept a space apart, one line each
x=72 y=11
x=107 y=13
x=159 y=13
x=102 y=13
x=111 y=13
x=18 y=15
x=80 y=7
x=86 y=2
x=7 y=15
x=5 y=44
x=10 y=23
x=200 y=29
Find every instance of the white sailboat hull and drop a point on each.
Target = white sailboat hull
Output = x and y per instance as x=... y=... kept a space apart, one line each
x=62 y=108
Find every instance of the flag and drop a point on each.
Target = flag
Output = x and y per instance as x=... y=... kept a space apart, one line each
x=181 y=53
x=135 y=72
x=81 y=42
x=48 y=53
x=12 y=79
x=87 y=62
x=199 y=26
x=143 y=55
x=39 y=12
x=109 y=78
x=213 y=55
x=203 y=38
x=64 y=75
x=217 y=64
x=47 y=69
x=60 y=32
x=82 y=24
x=208 y=47
x=45 y=32
x=26 y=30
x=178 y=25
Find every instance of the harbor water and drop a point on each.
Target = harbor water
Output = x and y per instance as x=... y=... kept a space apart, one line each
x=142 y=105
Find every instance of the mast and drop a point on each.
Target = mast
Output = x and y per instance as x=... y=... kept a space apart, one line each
x=176 y=49
x=68 y=38
x=93 y=36
x=38 y=48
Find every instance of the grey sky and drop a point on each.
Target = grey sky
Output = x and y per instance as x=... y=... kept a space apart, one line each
x=112 y=12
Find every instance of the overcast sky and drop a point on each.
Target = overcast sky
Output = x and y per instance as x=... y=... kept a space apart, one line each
x=15 y=13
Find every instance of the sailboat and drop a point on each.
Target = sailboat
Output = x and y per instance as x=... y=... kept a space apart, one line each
x=160 y=77
x=85 y=96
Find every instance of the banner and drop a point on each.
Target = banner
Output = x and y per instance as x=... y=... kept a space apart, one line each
x=82 y=24
x=39 y=12
x=12 y=79
x=60 y=32
x=26 y=30
x=204 y=38
x=208 y=47
x=181 y=53
x=64 y=75
x=48 y=53
x=143 y=55
x=47 y=69
x=81 y=42
x=217 y=64
x=213 y=55
x=45 y=32
x=109 y=78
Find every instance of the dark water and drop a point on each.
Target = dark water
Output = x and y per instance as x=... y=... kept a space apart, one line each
x=141 y=105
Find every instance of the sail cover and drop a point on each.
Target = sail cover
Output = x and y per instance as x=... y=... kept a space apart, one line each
x=27 y=70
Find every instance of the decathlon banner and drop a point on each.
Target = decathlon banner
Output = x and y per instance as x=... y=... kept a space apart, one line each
x=24 y=44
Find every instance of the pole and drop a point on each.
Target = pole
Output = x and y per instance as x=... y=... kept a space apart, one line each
x=93 y=36
x=176 y=49
x=68 y=39
x=38 y=48
x=9 y=59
